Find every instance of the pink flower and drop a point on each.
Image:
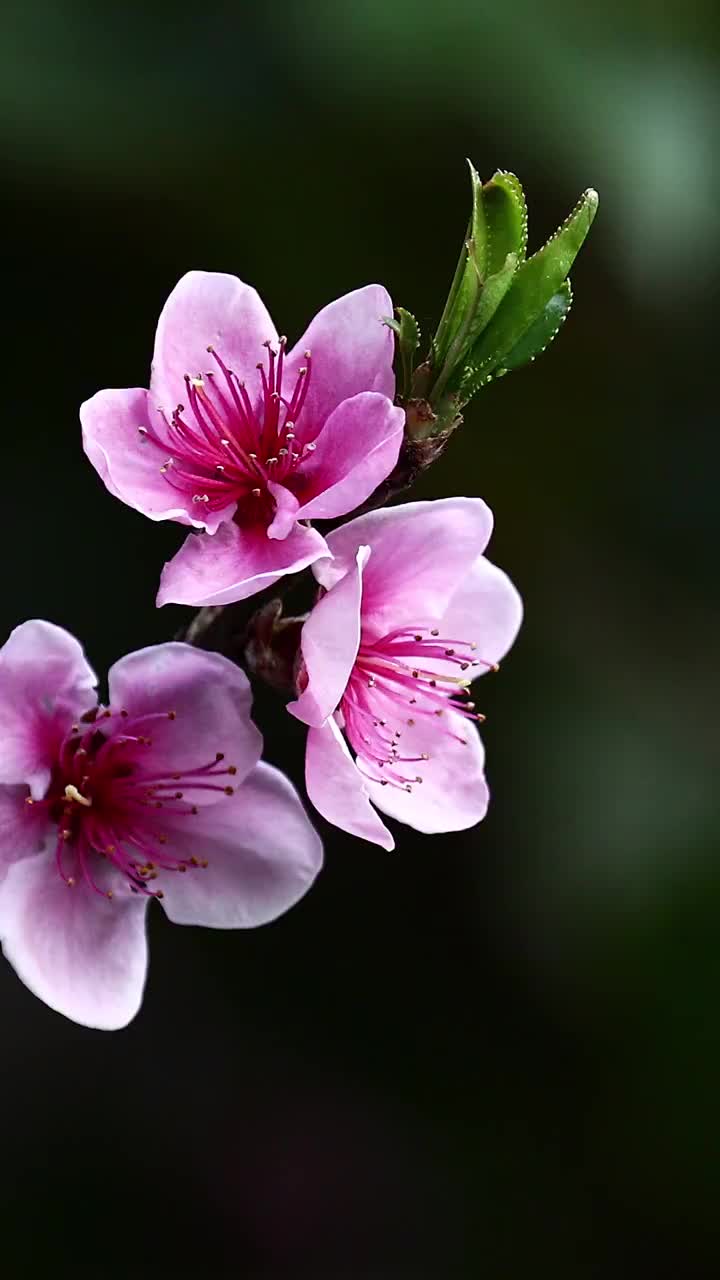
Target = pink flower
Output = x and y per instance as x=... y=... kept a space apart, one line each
x=413 y=612
x=159 y=795
x=244 y=440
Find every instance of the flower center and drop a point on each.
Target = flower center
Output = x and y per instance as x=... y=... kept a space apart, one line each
x=407 y=677
x=108 y=801
x=224 y=447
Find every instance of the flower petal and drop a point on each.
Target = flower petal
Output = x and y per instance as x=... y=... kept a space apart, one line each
x=85 y=956
x=210 y=699
x=286 y=511
x=234 y=564
x=23 y=827
x=330 y=640
x=352 y=351
x=207 y=308
x=486 y=608
x=262 y=851
x=355 y=451
x=45 y=684
x=337 y=789
x=127 y=462
x=421 y=552
x=453 y=794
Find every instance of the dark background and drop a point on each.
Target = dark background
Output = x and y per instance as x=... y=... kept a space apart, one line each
x=493 y=1054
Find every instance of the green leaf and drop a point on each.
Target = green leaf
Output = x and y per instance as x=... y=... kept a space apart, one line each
x=533 y=286
x=542 y=331
x=505 y=221
x=496 y=242
x=447 y=325
x=492 y=294
x=408 y=341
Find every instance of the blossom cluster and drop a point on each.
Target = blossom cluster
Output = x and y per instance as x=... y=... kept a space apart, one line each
x=159 y=792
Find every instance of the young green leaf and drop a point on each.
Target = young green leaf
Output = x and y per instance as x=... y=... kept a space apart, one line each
x=543 y=330
x=533 y=286
x=408 y=341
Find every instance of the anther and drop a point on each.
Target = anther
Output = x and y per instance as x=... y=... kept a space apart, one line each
x=229 y=791
x=171 y=715
x=72 y=793
x=219 y=755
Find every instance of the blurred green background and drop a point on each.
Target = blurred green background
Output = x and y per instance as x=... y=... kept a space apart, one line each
x=493 y=1054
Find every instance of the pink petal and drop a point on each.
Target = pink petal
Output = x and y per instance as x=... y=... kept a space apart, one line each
x=453 y=794
x=23 y=827
x=127 y=462
x=85 y=956
x=337 y=789
x=486 y=608
x=355 y=451
x=207 y=308
x=45 y=684
x=351 y=350
x=420 y=553
x=210 y=698
x=235 y=563
x=286 y=512
x=330 y=640
x=263 y=856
